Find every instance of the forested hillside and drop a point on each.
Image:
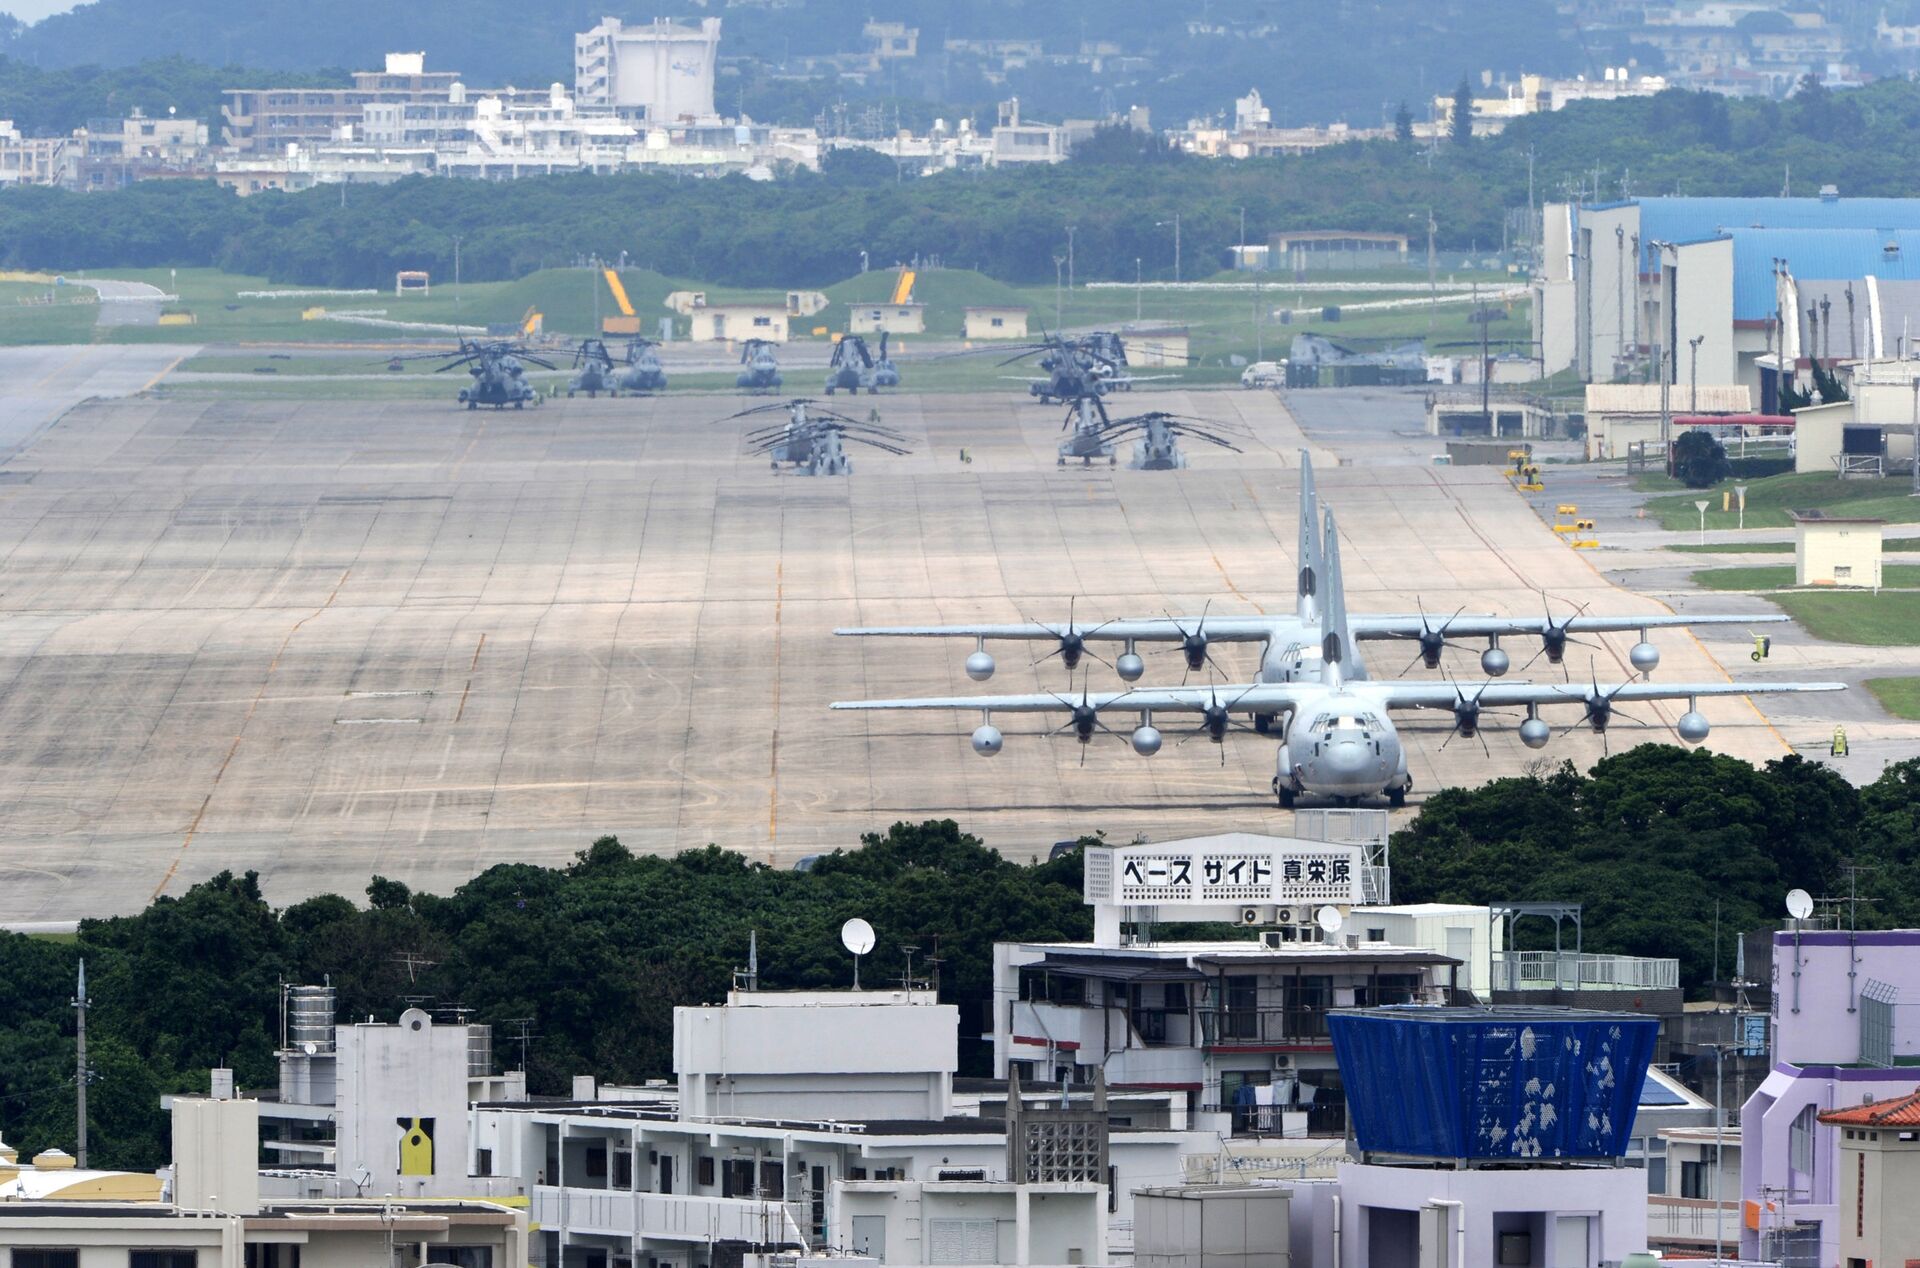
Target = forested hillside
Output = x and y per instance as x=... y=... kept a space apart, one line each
x=596 y=955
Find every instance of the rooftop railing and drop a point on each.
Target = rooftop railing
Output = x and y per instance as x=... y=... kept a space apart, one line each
x=1579 y=971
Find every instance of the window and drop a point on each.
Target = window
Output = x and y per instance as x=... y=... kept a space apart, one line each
x=1693 y=1180
x=597 y=1162
x=997 y=322
x=623 y=1170
x=763 y=321
x=1842 y=572
x=703 y=1170
x=483 y=1162
x=47 y=1258
x=461 y=1256
x=150 y=1258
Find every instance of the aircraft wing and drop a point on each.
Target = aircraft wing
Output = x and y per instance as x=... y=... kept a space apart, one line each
x=1218 y=629
x=1428 y=694
x=1403 y=626
x=1263 y=698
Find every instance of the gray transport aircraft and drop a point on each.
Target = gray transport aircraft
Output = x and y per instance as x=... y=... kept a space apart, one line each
x=1290 y=642
x=1340 y=742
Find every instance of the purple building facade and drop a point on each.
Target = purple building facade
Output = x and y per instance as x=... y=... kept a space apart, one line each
x=1845 y=1028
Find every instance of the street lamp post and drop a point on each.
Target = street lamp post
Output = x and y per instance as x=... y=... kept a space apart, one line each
x=1059 y=262
x=1136 y=289
x=456 y=277
x=1175 y=222
x=1693 y=373
x=1071 y=229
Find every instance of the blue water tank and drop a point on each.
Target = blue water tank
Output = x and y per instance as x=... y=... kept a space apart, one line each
x=1519 y=1084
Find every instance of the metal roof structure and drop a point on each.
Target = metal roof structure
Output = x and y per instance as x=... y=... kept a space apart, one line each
x=1838 y=254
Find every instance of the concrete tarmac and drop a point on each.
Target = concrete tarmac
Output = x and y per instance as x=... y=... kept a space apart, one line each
x=330 y=640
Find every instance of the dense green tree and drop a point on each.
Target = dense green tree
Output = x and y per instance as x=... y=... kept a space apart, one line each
x=1403 y=124
x=1462 y=120
x=1699 y=459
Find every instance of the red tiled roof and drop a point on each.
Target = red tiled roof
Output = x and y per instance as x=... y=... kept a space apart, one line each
x=1901 y=1111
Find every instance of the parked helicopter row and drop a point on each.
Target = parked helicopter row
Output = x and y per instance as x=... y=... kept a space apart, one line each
x=1337 y=738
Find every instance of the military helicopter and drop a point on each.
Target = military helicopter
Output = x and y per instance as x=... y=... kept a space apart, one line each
x=1086 y=424
x=1156 y=438
x=593 y=370
x=814 y=439
x=1074 y=369
x=763 y=368
x=499 y=377
x=1091 y=364
x=855 y=366
x=642 y=371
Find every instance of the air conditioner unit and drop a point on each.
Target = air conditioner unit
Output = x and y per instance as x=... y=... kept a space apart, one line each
x=1270 y=938
x=1250 y=916
x=1284 y=916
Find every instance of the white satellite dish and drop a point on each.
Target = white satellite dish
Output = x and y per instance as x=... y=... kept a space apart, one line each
x=1329 y=919
x=1799 y=904
x=856 y=936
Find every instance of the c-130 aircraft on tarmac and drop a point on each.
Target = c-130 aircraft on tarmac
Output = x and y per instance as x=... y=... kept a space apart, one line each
x=1290 y=642
x=1339 y=740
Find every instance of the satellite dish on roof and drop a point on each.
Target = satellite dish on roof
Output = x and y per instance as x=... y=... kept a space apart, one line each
x=856 y=936
x=1799 y=904
x=1329 y=919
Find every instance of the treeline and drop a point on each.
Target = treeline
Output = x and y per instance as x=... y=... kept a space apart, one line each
x=590 y=959
x=44 y=102
x=810 y=229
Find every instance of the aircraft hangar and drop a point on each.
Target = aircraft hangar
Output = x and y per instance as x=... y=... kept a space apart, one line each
x=326 y=640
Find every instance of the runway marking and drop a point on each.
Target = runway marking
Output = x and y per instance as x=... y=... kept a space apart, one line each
x=61 y=368
x=462 y=711
x=170 y=367
x=773 y=755
x=200 y=815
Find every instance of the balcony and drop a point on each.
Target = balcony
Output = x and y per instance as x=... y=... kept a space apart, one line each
x=1263 y=1028
x=663 y=1216
x=1577 y=971
x=1691 y=1222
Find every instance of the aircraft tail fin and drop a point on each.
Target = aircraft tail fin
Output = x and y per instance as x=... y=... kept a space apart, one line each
x=1308 y=602
x=1336 y=644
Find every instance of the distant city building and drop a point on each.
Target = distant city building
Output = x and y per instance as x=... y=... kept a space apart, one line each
x=1541 y=94
x=661 y=68
x=267 y=120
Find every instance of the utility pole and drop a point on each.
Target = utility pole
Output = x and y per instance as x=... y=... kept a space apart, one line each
x=1070 y=232
x=1175 y=222
x=1058 y=301
x=1433 y=283
x=1136 y=288
x=1693 y=373
x=80 y=1069
x=1666 y=412
x=1916 y=439
x=456 y=277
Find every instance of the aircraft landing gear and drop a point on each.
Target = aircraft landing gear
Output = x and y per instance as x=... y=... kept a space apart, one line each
x=1396 y=797
x=1285 y=794
x=1263 y=723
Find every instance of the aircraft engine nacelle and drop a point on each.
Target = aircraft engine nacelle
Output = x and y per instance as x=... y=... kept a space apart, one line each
x=1194 y=648
x=987 y=740
x=1599 y=713
x=1466 y=719
x=1216 y=719
x=1554 y=643
x=1432 y=643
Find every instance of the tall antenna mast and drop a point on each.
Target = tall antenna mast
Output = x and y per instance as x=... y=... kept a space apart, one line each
x=80 y=1068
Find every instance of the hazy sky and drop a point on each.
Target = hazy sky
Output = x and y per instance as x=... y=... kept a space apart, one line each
x=34 y=10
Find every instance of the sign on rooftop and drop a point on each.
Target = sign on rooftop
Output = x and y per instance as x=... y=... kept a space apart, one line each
x=1233 y=868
